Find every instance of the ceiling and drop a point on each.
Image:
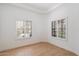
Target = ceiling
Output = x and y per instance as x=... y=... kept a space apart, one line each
x=39 y=7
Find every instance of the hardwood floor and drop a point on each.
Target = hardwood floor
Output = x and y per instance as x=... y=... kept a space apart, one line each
x=38 y=49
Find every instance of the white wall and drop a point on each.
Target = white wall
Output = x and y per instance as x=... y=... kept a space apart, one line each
x=44 y=30
x=9 y=14
x=72 y=12
x=0 y=26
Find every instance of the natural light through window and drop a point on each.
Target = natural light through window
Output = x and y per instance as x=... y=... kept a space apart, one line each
x=24 y=29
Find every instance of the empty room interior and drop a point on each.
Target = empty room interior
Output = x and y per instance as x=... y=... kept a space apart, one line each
x=39 y=29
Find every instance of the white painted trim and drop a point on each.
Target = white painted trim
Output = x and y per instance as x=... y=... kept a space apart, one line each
x=36 y=10
x=27 y=8
x=52 y=8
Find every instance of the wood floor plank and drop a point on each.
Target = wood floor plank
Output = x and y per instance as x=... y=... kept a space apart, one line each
x=39 y=49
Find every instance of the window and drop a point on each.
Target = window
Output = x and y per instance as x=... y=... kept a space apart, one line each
x=59 y=28
x=54 y=28
x=24 y=29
